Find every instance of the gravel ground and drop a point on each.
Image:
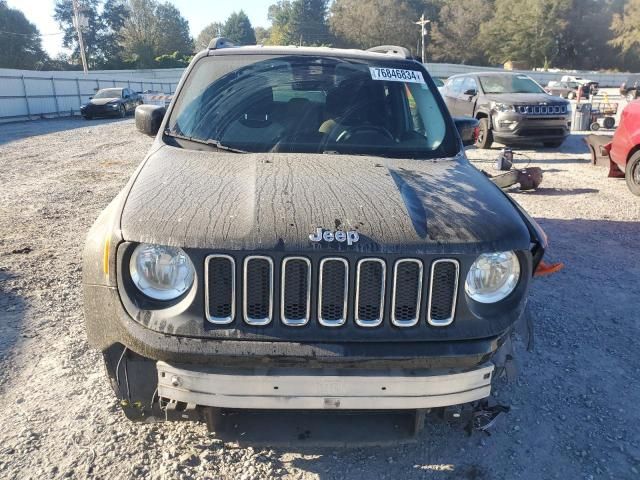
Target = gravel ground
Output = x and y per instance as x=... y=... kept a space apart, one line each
x=574 y=407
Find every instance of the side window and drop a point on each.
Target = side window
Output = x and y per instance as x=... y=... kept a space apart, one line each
x=456 y=85
x=125 y=93
x=469 y=84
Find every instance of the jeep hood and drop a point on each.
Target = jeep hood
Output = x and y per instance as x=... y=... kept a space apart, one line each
x=228 y=201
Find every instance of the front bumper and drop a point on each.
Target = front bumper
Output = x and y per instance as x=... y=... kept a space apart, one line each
x=509 y=127
x=108 y=324
x=100 y=111
x=323 y=390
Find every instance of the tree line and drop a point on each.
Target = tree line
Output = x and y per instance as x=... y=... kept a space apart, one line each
x=571 y=34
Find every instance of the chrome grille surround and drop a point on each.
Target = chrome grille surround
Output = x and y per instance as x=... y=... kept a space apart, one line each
x=245 y=307
x=370 y=322
x=295 y=322
x=449 y=320
x=211 y=318
x=333 y=322
x=413 y=321
x=541 y=109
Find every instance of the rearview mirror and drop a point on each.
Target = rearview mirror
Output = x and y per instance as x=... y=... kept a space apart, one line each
x=467 y=129
x=472 y=92
x=149 y=118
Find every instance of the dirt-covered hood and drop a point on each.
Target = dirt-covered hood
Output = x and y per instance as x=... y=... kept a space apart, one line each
x=234 y=201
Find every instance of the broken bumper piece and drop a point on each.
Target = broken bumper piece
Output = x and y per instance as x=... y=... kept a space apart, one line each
x=321 y=389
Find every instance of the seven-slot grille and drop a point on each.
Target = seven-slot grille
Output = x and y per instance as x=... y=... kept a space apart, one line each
x=324 y=290
x=542 y=109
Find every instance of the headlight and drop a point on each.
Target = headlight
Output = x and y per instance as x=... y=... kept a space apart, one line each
x=162 y=273
x=493 y=276
x=502 y=107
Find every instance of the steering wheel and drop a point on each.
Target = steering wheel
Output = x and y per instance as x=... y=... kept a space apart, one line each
x=351 y=131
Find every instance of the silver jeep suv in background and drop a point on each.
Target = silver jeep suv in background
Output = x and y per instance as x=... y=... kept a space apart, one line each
x=512 y=108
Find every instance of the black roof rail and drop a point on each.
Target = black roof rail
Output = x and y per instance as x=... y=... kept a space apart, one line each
x=391 y=49
x=220 y=42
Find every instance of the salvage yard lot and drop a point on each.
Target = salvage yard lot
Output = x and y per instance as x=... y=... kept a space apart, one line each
x=574 y=406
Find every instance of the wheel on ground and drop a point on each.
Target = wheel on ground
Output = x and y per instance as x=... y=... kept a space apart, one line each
x=485 y=136
x=595 y=126
x=632 y=174
x=87 y=117
x=554 y=144
x=123 y=111
x=609 y=122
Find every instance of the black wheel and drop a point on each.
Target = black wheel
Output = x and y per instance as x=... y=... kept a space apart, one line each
x=609 y=122
x=122 y=111
x=632 y=174
x=87 y=117
x=554 y=144
x=595 y=126
x=485 y=136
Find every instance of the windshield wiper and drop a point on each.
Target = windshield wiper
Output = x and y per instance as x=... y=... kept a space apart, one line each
x=211 y=142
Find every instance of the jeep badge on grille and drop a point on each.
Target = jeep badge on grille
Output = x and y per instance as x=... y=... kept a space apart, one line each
x=350 y=236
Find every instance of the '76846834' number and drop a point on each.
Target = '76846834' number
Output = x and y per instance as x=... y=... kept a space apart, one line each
x=396 y=75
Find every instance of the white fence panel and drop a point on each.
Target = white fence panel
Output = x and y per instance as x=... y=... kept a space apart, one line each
x=62 y=93
x=26 y=95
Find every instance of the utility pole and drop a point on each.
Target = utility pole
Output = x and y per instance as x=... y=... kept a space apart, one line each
x=423 y=22
x=80 y=21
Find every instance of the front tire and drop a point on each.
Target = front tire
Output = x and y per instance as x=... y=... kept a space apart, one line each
x=485 y=136
x=122 y=112
x=632 y=174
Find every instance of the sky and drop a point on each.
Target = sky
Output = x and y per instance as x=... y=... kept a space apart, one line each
x=200 y=13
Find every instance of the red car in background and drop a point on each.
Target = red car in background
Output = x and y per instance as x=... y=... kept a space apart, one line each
x=624 y=150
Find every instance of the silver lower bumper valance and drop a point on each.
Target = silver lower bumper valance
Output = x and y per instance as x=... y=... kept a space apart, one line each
x=323 y=389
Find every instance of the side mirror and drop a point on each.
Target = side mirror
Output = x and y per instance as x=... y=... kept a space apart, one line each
x=90 y=98
x=467 y=129
x=472 y=92
x=149 y=118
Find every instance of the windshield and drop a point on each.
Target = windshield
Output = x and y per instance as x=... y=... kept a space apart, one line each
x=509 y=84
x=312 y=104
x=109 y=93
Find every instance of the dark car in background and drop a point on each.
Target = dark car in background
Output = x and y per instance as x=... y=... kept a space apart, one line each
x=512 y=108
x=111 y=102
x=630 y=87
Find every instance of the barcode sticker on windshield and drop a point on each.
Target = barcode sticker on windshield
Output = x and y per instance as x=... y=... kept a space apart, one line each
x=396 y=75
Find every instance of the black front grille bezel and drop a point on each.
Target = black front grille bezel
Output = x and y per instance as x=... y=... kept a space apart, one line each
x=187 y=315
